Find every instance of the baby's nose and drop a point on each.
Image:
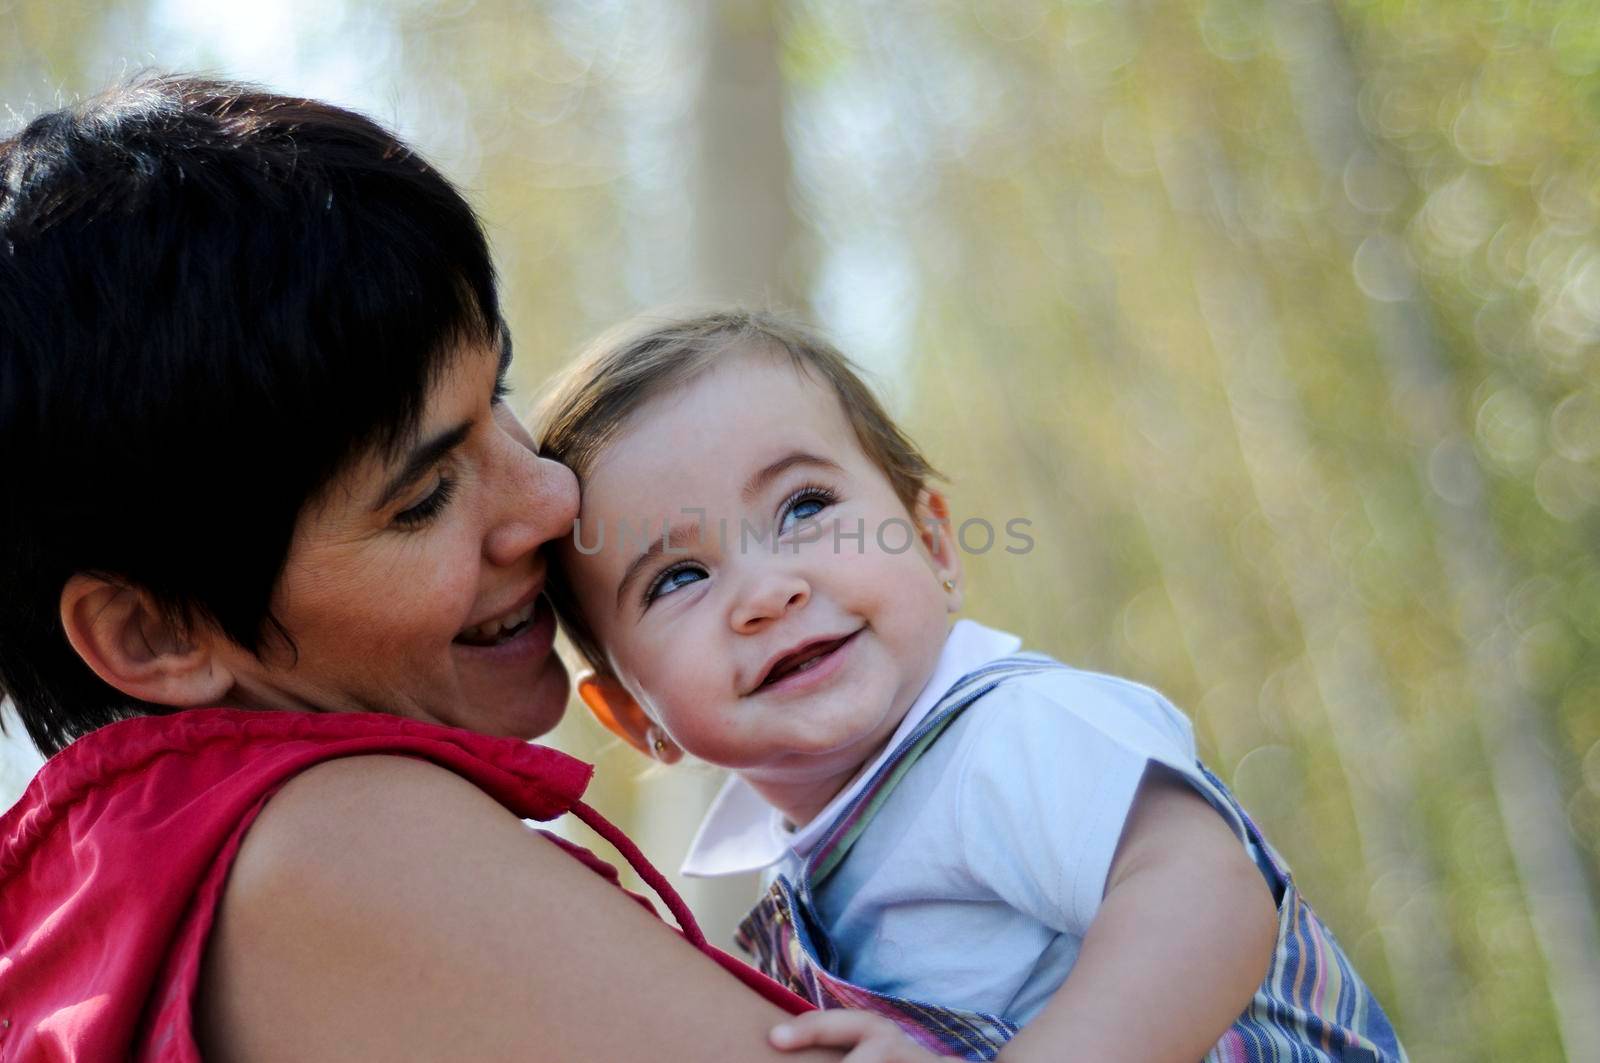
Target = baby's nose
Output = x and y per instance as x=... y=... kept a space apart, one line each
x=769 y=598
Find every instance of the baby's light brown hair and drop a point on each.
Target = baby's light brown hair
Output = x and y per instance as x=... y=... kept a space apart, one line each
x=592 y=399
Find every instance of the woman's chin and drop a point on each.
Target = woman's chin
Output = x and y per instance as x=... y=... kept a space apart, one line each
x=516 y=688
x=548 y=702
x=517 y=706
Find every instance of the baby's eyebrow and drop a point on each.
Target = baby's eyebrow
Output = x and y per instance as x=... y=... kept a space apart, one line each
x=677 y=538
x=764 y=476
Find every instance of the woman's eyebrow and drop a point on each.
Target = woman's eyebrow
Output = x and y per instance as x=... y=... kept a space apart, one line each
x=422 y=458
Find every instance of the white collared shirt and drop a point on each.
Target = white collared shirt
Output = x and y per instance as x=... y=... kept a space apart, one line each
x=979 y=874
x=741 y=832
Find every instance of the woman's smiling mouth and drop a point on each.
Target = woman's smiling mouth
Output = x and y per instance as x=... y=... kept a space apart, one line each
x=501 y=628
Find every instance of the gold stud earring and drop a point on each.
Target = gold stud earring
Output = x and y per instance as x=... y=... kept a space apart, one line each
x=949 y=585
x=661 y=745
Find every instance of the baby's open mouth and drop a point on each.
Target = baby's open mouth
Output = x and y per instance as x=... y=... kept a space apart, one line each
x=501 y=628
x=803 y=659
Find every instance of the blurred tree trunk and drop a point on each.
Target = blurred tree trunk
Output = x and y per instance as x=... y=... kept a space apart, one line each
x=743 y=227
x=1514 y=734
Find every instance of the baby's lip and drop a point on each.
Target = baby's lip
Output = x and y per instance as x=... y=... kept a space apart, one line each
x=783 y=663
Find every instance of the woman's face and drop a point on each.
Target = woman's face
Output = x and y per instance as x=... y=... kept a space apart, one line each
x=415 y=585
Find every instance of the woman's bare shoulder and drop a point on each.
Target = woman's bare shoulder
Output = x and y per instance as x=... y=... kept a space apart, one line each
x=383 y=907
x=328 y=818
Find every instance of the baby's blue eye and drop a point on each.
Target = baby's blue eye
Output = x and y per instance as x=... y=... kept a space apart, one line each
x=673 y=579
x=804 y=504
x=806 y=509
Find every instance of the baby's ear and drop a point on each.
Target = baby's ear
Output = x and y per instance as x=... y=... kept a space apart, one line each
x=939 y=539
x=623 y=716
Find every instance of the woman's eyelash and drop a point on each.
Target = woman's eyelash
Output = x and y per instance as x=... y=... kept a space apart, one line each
x=429 y=507
x=502 y=376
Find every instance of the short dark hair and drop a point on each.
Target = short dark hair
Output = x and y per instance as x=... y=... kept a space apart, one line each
x=590 y=403
x=212 y=300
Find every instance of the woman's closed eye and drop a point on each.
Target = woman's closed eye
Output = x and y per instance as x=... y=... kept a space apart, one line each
x=432 y=504
x=803 y=505
x=671 y=579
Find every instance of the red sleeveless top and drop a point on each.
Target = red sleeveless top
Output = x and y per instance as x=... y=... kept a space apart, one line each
x=113 y=862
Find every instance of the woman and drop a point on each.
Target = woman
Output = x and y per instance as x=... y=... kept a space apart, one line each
x=251 y=361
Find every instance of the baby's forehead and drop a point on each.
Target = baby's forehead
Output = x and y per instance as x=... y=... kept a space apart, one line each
x=739 y=413
x=743 y=382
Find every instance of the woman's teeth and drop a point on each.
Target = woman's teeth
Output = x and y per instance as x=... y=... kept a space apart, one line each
x=498 y=629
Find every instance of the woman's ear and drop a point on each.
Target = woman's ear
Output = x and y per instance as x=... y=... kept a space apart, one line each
x=939 y=539
x=135 y=646
x=622 y=715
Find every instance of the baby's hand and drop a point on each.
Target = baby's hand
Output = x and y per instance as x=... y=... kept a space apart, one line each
x=870 y=1038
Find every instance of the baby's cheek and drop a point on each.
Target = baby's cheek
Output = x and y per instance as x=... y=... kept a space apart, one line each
x=680 y=697
x=868 y=580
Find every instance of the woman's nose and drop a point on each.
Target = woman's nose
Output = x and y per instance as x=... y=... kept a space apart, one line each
x=537 y=502
x=769 y=596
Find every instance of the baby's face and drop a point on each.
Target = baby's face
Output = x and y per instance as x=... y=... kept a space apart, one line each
x=796 y=611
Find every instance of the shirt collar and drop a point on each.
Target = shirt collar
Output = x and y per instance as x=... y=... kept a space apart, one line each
x=741 y=832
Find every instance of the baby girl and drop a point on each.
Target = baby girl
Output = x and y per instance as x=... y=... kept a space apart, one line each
x=999 y=854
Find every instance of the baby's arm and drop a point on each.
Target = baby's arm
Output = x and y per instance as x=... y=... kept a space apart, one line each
x=1181 y=941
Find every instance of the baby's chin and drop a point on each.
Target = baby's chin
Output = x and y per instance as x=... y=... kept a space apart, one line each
x=814 y=760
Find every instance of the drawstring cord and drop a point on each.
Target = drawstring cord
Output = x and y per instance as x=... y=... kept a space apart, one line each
x=652 y=878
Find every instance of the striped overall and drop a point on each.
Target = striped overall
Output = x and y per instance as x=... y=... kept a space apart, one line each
x=1311 y=1007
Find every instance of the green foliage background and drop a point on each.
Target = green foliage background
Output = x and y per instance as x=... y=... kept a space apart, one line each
x=1279 y=319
